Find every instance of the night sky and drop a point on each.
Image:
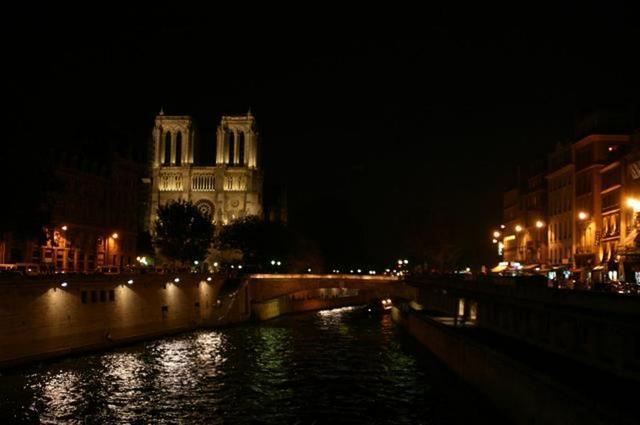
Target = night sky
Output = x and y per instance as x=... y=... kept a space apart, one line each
x=388 y=132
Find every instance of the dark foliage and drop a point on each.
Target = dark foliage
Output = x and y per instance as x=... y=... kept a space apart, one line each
x=182 y=233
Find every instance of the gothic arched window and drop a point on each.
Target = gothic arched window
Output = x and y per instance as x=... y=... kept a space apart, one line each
x=167 y=148
x=179 y=148
x=241 y=148
x=231 y=144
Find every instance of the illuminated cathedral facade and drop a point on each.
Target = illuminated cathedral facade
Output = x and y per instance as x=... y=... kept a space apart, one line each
x=229 y=189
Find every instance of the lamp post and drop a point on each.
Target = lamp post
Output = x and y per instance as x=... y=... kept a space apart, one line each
x=539 y=225
x=583 y=217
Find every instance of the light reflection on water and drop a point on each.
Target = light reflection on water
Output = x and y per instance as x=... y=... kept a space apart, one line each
x=337 y=366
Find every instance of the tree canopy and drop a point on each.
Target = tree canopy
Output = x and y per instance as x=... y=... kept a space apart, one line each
x=182 y=232
x=261 y=241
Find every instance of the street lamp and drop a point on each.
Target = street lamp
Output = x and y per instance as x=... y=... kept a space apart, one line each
x=583 y=217
x=634 y=204
x=539 y=225
x=518 y=228
x=496 y=234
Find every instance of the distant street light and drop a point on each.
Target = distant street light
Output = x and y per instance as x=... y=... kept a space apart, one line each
x=496 y=234
x=582 y=215
x=114 y=235
x=64 y=227
x=539 y=224
x=518 y=228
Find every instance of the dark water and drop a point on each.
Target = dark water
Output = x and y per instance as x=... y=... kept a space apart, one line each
x=335 y=366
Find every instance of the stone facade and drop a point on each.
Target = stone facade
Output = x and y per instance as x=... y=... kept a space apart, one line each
x=230 y=189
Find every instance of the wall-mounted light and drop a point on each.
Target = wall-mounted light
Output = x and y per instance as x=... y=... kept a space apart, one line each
x=64 y=284
x=130 y=281
x=115 y=235
x=64 y=227
x=539 y=224
x=176 y=280
x=582 y=215
x=209 y=279
x=518 y=228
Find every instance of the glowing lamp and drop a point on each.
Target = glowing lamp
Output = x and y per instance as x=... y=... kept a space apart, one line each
x=496 y=234
x=130 y=281
x=114 y=235
x=633 y=203
x=582 y=215
x=64 y=227
x=64 y=284
x=518 y=228
x=539 y=224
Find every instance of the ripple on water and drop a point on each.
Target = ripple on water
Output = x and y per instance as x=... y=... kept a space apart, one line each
x=332 y=366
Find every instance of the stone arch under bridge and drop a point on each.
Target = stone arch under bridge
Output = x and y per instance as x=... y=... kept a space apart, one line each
x=264 y=287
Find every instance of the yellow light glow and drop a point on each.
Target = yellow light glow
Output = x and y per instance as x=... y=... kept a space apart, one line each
x=509 y=238
x=582 y=215
x=495 y=241
x=539 y=224
x=64 y=227
x=496 y=234
x=633 y=203
x=518 y=228
x=114 y=236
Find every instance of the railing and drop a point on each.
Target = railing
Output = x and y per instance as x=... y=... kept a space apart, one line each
x=170 y=182
x=203 y=182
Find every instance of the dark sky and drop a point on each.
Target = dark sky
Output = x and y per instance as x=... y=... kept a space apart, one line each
x=387 y=131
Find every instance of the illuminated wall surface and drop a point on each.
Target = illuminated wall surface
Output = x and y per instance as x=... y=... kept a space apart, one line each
x=39 y=319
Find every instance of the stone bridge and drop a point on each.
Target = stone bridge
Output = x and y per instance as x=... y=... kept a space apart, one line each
x=275 y=294
x=264 y=287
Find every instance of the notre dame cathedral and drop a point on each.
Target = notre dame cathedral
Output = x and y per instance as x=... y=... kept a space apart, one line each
x=230 y=189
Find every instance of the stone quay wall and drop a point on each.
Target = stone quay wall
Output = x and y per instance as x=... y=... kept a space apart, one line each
x=519 y=392
x=41 y=318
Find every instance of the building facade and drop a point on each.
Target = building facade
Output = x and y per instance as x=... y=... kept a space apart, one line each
x=93 y=217
x=229 y=189
x=560 y=206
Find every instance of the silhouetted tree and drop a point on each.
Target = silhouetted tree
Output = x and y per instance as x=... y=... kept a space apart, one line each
x=260 y=242
x=182 y=233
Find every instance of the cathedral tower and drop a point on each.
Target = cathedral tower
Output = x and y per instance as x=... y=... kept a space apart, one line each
x=230 y=189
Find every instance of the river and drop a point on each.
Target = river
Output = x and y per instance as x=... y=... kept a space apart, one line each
x=333 y=366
